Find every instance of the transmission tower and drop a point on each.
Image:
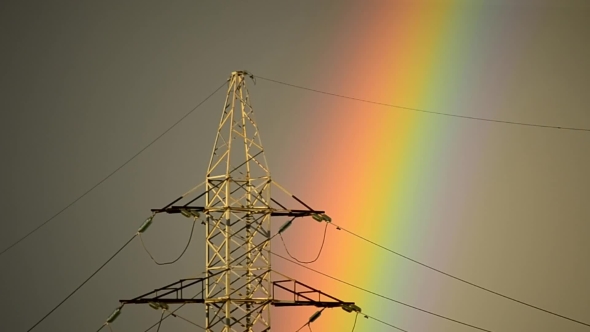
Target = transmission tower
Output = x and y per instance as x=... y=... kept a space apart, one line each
x=237 y=289
x=238 y=205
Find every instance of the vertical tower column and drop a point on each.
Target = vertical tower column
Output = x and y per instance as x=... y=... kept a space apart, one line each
x=238 y=220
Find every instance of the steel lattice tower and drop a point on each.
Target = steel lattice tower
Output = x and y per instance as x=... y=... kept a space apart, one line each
x=237 y=288
x=238 y=205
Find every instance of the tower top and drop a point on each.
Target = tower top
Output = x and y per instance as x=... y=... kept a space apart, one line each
x=242 y=73
x=237 y=151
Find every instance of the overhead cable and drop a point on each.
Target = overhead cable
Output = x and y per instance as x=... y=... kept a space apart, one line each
x=83 y=283
x=181 y=254
x=161 y=319
x=355 y=318
x=187 y=320
x=113 y=172
x=382 y=322
x=239 y=257
x=319 y=252
x=379 y=295
x=168 y=314
x=313 y=317
x=426 y=111
x=460 y=279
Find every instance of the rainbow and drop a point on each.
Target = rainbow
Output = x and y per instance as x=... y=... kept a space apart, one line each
x=379 y=171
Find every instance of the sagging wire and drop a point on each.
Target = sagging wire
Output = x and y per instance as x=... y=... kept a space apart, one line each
x=319 y=252
x=144 y=226
x=148 y=222
x=182 y=305
x=316 y=217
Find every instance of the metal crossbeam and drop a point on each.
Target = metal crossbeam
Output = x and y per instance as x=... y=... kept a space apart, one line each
x=302 y=295
x=161 y=294
x=176 y=209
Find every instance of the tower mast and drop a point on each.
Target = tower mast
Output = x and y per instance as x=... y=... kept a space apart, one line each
x=238 y=219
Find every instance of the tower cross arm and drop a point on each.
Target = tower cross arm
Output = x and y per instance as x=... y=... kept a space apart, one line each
x=172 y=293
x=176 y=209
x=301 y=294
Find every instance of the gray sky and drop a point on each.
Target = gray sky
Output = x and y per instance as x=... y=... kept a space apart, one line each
x=85 y=85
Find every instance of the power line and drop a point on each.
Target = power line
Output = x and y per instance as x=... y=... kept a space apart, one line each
x=375 y=319
x=319 y=252
x=382 y=322
x=101 y=327
x=379 y=295
x=355 y=318
x=461 y=280
x=181 y=254
x=426 y=111
x=85 y=281
x=160 y=323
x=302 y=326
x=315 y=316
x=112 y=173
x=170 y=313
x=186 y=320
x=451 y=115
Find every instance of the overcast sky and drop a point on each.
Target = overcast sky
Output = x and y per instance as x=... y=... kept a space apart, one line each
x=85 y=85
